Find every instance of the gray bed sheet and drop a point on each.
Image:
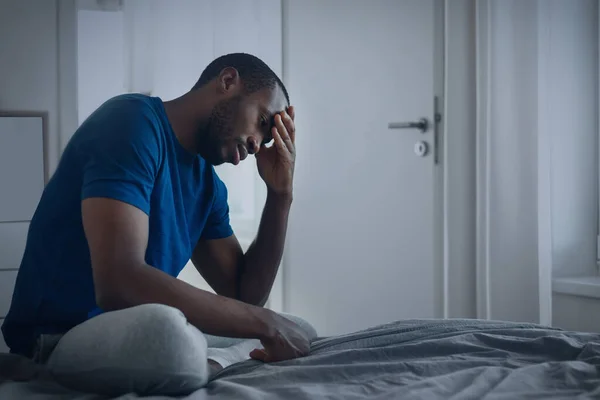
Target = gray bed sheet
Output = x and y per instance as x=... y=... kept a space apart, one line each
x=415 y=359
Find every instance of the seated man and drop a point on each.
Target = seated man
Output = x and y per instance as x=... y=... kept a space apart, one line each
x=134 y=197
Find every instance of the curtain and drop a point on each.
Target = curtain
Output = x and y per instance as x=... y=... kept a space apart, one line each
x=507 y=160
x=537 y=146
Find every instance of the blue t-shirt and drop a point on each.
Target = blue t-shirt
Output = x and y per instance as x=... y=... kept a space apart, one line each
x=126 y=150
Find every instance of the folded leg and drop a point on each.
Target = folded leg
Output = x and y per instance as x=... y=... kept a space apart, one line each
x=148 y=349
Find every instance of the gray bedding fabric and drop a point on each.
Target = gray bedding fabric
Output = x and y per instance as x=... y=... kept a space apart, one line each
x=416 y=359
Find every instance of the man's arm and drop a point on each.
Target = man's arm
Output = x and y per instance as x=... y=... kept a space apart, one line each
x=247 y=277
x=117 y=235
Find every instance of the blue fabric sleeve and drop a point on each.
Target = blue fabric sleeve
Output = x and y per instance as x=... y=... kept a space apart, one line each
x=218 y=225
x=122 y=157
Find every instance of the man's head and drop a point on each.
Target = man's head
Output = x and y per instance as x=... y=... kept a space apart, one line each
x=247 y=96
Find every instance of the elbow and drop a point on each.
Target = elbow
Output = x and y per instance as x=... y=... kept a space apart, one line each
x=251 y=292
x=259 y=299
x=107 y=292
x=106 y=299
x=254 y=299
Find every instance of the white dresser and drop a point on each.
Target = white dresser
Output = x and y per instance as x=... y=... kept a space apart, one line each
x=22 y=179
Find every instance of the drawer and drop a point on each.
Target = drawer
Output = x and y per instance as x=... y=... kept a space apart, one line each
x=7 y=286
x=3 y=346
x=13 y=236
x=21 y=167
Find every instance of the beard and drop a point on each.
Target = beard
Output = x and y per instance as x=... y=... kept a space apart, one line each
x=219 y=130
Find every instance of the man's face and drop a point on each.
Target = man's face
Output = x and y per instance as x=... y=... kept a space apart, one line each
x=239 y=125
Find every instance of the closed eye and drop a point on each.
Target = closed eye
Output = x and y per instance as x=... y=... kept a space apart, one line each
x=266 y=124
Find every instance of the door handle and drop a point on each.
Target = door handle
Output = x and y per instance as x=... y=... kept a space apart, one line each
x=421 y=125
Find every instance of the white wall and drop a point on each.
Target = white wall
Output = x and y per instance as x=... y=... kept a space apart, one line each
x=29 y=63
x=570 y=78
x=568 y=87
x=576 y=313
x=101 y=70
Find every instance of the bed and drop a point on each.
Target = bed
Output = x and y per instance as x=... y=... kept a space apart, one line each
x=416 y=359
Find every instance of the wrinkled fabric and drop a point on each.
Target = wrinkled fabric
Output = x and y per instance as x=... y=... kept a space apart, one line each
x=416 y=359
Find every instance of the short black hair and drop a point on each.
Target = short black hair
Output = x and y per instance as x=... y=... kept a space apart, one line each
x=255 y=74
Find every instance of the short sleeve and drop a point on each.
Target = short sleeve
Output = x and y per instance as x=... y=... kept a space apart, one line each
x=121 y=155
x=218 y=225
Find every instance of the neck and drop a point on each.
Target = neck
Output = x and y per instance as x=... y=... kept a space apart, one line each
x=188 y=115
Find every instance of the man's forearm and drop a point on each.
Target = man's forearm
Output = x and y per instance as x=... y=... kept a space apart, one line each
x=212 y=314
x=262 y=259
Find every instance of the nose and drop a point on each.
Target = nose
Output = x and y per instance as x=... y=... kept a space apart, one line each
x=253 y=145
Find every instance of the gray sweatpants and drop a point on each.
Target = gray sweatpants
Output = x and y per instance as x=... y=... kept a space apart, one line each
x=148 y=349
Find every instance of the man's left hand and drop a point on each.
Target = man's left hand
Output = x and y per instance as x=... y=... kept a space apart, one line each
x=276 y=163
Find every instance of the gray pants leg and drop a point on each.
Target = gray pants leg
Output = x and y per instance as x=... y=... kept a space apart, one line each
x=148 y=349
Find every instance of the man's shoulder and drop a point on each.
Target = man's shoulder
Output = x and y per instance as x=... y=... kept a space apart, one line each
x=127 y=118
x=132 y=106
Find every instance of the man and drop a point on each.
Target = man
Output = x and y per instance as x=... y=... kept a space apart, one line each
x=134 y=197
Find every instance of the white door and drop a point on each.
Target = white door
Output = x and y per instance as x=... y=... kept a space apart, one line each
x=364 y=243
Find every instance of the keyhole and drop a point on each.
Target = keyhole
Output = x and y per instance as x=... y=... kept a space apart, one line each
x=421 y=148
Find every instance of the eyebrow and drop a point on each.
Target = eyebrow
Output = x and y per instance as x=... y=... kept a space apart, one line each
x=270 y=116
x=269 y=113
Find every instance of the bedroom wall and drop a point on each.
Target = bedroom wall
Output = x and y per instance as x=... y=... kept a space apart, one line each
x=569 y=78
x=572 y=68
x=29 y=81
x=576 y=313
x=29 y=63
x=100 y=58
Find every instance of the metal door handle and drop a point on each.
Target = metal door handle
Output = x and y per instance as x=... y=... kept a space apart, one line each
x=421 y=125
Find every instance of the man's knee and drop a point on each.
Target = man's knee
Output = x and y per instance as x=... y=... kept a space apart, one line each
x=149 y=348
x=151 y=332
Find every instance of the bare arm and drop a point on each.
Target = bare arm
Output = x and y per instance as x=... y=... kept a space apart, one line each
x=249 y=277
x=117 y=235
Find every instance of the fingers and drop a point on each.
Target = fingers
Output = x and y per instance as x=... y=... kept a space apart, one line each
x=292 y=128
x=285 y=125
x=292 y=112
x=279 y=143
x=260 y=355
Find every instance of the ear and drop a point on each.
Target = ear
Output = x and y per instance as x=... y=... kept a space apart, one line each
x=229 y=80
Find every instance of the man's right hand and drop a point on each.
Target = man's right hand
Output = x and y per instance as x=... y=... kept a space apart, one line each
x=286 y=340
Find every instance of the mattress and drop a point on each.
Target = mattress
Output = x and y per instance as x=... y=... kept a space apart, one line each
x=413 y=359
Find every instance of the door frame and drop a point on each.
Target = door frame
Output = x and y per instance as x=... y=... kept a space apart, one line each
x=459 y=161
